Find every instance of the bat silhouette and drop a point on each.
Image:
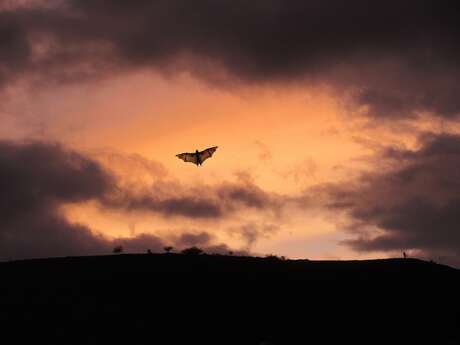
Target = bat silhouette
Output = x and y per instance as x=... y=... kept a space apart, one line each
x=198 y=157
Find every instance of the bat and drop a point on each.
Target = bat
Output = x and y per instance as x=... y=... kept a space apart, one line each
x=198 y=157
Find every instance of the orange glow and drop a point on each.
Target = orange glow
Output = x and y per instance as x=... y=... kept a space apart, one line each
x=286 y=139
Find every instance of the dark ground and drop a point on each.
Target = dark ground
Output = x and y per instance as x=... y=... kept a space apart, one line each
x=207 y=299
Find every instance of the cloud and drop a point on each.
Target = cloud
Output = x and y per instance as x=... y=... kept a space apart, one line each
x=130 y=170
x=190 y=239
x=35 y=179
x=14 y=5
x=139 y=243
x=252 y=232
x=247 y=194
x=211 y=202
x=188 y=206
x=389 y=58
x=410 y=203
x=38 y=178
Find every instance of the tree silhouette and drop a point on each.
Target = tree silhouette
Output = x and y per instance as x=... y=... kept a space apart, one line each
x=118 y=249
x=192 y=251
x=168 y=249
x=272 y=257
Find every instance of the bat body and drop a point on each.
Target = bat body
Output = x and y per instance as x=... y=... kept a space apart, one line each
x=198 y=157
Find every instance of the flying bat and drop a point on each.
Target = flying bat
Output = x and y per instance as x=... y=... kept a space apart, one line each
x=198 y=157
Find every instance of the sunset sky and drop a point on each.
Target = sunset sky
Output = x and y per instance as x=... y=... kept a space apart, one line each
x=336 y=121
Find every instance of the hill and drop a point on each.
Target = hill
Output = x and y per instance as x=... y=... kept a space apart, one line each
x=212 y=299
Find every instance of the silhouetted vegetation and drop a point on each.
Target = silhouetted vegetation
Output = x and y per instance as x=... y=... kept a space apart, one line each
x=192 y=251
x=168 y=249
x=273 y=257
x=118 y=249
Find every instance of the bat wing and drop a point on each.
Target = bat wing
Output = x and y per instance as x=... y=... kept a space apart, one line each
x=205 y=154
x=188 y=157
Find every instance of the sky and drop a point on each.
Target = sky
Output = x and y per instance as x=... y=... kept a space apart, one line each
x=337 y=126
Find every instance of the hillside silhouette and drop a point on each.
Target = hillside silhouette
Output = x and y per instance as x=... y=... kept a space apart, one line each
x=214 y=299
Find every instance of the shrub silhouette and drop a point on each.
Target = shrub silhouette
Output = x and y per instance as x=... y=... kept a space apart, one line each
x=168 y=249
x=118 y=249
x=149 y=251
x=192 y=251
x=273 y=257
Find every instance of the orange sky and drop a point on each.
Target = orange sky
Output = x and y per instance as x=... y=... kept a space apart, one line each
x=285 y=138
x=316 y=119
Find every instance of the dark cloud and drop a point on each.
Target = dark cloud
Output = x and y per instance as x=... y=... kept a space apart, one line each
x=40 y=176
x=395 y=58
x=139 y=243
x=190 y=239
x=189 y=206
x=249 y=195
x=224 y=249
x=35 y=179
x=413 y=204
x=14 y=47
x=210 y=202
